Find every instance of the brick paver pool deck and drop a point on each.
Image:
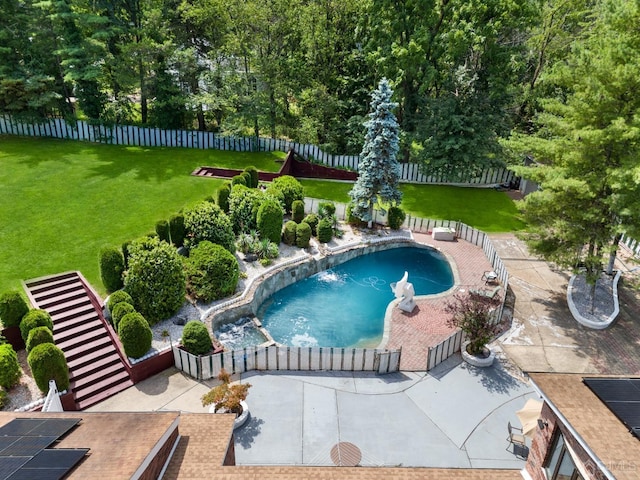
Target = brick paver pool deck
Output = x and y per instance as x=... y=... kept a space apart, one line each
x=427 y=326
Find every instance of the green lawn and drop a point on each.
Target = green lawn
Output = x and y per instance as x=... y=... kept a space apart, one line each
x=60 y=201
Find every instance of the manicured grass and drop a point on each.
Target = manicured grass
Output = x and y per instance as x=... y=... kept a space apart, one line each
x=482 y=208
x=61 y=201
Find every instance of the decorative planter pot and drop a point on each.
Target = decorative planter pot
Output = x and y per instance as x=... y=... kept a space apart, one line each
x=240 y=419
x=480 y=362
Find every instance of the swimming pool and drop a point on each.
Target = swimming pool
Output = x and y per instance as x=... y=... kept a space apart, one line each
x=239 y=334
x=345 y=306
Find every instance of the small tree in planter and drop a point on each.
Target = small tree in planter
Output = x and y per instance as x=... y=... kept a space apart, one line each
x=226 y=396
x=473 y=314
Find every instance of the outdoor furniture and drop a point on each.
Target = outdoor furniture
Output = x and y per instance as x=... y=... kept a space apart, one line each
x=443 y=233
x=489 y=277
x=485 y=293
x=515 y=435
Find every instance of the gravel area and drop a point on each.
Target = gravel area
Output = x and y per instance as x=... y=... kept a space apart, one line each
x=599 y=307
x=26 y=392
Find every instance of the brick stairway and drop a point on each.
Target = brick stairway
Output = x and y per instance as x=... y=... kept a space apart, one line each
x=96 y=368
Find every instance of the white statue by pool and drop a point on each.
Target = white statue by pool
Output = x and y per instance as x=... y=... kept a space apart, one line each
x=403 y=290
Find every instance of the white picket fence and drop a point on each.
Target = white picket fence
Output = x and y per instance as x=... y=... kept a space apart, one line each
x=288 y=358
x=132 y=135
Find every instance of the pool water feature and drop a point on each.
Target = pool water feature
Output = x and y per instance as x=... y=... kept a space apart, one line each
x=345 y=306
x=240 y=334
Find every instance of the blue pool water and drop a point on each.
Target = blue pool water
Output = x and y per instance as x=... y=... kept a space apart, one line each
x=345 y=306
x=240 y=334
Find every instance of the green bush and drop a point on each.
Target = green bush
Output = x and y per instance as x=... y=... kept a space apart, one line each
x=247 y=179
x=47 y=362
x=4 y=397
x=289 y=232
x=210 y=199
x=155 y=279
x=223 y=196
x=9 y=367
x=196 y=338
x=326 y=209
x=239 y=180
x=212 y=272
x=312 y=220
x=111 y=268
x=395 y=217
x=297 y=211
x=269 y=220
x=246 y=241
x=120 y=310
x=265 y=249
x=325 y=230
x=125 y=253
x=206 y=221
x=162 y=229
x=244 y=204
x=37 y=336
x=303 y=235
x=177 y=230
x=116 y=298
x=352 y=219
x=253 y=172
x=12 y=308
x=291 y=189
x=135 y=335
x=34 y=318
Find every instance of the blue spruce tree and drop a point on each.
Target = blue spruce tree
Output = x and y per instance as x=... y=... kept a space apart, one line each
x=378 y=170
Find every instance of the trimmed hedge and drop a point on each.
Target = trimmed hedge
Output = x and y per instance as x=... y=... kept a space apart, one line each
x=135 y=335
x=303 y=235
x=223 y=196
x=9 y=367
x=162 y=229
x=12 y=308
x=47 y=362
x=125 y=253
x=155 y=280
x=325 y=230
x=37 y=336
x=395 y=217
x=312 y=219
x=196 y=338
x=177 y=230
x=35 y=318
x=120 y=310
x=118 y=297
x=297 y=211
x=212 y=272
x=247 y=179
x=239 y=180
x=253 y=171
x=269 y=220
x=206 y=221
x=291 y=190
x=326 y=209
x=111 y=268
x=289 y=232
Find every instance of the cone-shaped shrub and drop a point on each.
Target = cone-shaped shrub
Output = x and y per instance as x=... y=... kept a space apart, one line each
x=47 y=362
x=12 y=308
x=135 y=335
x=162 y=229
x=9 y=367
x=120 y=310
x=325 y=230
x=37 y=336
x=303 y=235
x=269 y=220
x=117 y=297
x=289 y=232
x=223 y=196
x=312 y=219
x=297 y=211
x=239 y=180
x=395 y=217
x=253 y=171
x=111 y=268
x=177 y=230
x=34 y=318
x=196 y=338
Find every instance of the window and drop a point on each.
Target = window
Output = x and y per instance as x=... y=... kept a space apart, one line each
x=559 y=464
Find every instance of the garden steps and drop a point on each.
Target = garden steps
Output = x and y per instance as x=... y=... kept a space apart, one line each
x=96 y=367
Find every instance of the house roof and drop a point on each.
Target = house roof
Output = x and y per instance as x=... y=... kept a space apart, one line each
x=608 y=438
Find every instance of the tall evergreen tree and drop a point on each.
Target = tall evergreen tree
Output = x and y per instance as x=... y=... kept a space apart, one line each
x=378 y=170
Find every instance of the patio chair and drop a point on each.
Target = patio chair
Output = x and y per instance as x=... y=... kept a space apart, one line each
x=490 y=277
x=485 y=293
x=516 y=438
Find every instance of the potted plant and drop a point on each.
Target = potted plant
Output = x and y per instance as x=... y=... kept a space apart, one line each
x=228 y=398
x=473 y=314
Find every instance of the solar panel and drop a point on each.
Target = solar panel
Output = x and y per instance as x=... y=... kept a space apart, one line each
x=9 y=465
x=622 y=397
x=5 y=442
x=30 y=474
x=19 y=427
x=28 y=446
x=57 y=458
x=55 y=426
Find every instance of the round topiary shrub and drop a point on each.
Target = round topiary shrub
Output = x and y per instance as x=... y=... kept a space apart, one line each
x=135 y=335
x=247 y=179
x=253 y=171
x=289 y=232
x=47 y=362
x=326 y=209
x=239 y=180
x=34 y=318
x=223 y=196
x=312 y=220
x=120 y=310
x=155 y=279
x=9 y=367
x=177 y=230
x=162 y=229
x=206 y=221
x=297 y=211
x=196 y=338
x=212 y=272
x=395 y=217
x=325 y=230
x=12 y=308
x=118 y=297
x=111 y=268
x=303 y=235
x=269 y=220
x=244 y=204
x=291 y=190
x=37 y=336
